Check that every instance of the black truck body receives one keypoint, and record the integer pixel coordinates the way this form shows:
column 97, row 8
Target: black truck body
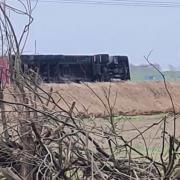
column 76, row 68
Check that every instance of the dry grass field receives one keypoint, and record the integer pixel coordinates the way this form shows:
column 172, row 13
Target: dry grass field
column 137, row 106
column 128, row 98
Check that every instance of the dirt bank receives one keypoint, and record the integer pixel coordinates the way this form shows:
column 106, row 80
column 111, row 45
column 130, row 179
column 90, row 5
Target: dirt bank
column 127, row 97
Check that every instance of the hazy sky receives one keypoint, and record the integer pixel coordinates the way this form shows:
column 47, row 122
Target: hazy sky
column 91, row 29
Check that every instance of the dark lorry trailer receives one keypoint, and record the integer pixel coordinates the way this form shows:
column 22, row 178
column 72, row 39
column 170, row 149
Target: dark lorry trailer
column 77, row 68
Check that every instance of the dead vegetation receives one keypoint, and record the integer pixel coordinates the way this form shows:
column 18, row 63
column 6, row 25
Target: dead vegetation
column 132, row 98
column 41, row 139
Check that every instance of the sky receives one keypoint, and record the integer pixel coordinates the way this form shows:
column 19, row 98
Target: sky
column 115, row 30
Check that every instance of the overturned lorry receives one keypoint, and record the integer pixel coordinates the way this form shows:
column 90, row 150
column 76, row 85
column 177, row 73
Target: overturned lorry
column 77, row 68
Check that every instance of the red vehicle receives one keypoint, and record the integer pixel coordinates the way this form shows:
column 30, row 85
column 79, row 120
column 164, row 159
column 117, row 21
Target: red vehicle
column 4, row 71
